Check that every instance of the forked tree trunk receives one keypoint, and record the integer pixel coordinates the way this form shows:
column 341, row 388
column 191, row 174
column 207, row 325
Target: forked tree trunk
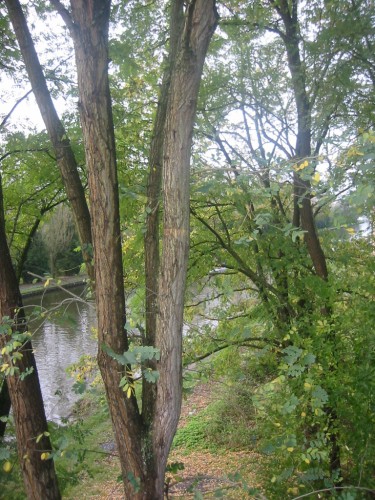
column 143, row 440
column 64, row 153
column 25, row 395
column 154, row 202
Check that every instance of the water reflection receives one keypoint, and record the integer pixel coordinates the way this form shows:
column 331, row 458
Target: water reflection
column 60, row 339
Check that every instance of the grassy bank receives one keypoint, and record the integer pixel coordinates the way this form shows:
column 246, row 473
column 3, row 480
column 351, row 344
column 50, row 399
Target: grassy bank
column 83, row 453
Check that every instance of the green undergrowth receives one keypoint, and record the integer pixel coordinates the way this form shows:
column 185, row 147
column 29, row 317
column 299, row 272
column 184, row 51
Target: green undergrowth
column 225, row 424
column 84, row 460
column 80, row 452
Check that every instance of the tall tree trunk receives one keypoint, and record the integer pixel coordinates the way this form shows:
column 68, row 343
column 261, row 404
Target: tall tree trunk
column 154, row 201
column 26, row 398
column 199, row 25
column 64, row 154
column 303, row 212
column 88, row 24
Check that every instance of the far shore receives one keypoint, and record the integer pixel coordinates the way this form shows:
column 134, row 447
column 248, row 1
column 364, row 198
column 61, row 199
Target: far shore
column 51, row 284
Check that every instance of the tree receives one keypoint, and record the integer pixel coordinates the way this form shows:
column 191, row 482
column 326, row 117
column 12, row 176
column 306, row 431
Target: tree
column 143, row 446
column 65, row 157
column 256, row 196
column 34, row 446
column 57, row 235
column 32, row 189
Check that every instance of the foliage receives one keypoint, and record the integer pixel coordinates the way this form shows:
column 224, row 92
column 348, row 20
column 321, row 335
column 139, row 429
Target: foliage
column 193, row 435
column 78, row 454
column 293, row 347
column 135, row 357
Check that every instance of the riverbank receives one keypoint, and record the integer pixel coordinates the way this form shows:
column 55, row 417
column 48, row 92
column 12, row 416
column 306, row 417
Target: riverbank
column 198, row 468
column 52, row 284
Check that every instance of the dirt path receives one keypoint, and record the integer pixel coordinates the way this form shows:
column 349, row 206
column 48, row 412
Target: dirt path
column 204, row 471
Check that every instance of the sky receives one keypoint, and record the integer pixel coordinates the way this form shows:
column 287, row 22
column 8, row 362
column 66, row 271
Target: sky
column 52, row 48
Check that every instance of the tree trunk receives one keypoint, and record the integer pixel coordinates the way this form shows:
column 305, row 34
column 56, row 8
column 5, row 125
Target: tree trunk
column 154, row 200
column 88, row 24
column 64, row 154
column 303, row 212
column 199, row 25
column 26, row 398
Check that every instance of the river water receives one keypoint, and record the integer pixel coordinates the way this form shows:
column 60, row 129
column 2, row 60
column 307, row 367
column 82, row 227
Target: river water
column 59, row 339
column 65, row 334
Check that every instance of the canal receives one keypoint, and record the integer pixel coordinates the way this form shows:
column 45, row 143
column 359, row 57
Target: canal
column 62, row 332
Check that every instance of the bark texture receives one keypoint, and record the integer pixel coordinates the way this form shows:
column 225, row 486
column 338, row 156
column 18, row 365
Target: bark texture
column 64, row 154
column 25, row 395
column 88, row 24
column 199, row 25
column 154, row 202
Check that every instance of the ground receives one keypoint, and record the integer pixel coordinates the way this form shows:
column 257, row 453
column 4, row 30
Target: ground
column 204, row 471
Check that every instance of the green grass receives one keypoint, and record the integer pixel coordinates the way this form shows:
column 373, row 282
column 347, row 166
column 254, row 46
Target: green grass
column 193, row 436
column 81, row 462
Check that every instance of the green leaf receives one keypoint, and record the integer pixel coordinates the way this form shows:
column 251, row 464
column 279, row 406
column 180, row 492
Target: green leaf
column 151, row 376
column 308, row 359
column 290, row 405
column 292, row 354
column 319, row 397
column 79, row 387
column 174, row 467
column 296, row 370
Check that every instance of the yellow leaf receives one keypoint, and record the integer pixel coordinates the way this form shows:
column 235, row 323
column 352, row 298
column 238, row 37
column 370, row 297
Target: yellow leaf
column 45, row 456
column 316, row 177
column 290, row 449
column 307, row 460
column 303, row 414
column 307, row 386
column 4, row 367
column 47, row 282
column 129, row 392
column 301, row 166
column 277, row 424
column 7, row 467
column 293, row 491
column 3, row 350
column 273, row 480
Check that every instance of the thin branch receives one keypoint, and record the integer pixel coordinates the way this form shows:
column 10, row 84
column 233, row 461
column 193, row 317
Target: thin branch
column 33, row 150
column 239, row 343
column 5, row 119
column 65, row 14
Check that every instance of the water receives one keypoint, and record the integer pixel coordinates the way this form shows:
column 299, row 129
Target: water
column 59, row 340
